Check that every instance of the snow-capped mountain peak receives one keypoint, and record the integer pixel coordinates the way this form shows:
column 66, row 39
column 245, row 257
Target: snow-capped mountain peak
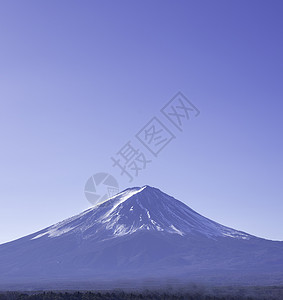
column 140, row 232
column 136, row 210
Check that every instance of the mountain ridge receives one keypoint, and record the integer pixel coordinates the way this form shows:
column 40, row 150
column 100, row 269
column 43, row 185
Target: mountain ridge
column 141, row 197
column 141, row 232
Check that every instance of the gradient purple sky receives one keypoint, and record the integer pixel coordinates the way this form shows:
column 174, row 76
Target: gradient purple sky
column 78, row 79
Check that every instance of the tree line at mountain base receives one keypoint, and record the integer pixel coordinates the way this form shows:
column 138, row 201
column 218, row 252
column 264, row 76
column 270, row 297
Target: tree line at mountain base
column 120, row 295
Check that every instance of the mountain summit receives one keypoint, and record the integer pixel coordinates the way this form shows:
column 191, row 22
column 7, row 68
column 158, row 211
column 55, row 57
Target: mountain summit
column 136, row 210
column 140, row 233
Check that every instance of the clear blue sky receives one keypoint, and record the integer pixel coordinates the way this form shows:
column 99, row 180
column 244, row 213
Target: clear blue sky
column 78, row 79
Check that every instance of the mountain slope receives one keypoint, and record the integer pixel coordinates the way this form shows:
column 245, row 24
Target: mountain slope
column 140, row 233
column 139, row 209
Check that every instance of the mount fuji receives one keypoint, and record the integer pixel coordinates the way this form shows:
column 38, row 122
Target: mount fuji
column 139, row 234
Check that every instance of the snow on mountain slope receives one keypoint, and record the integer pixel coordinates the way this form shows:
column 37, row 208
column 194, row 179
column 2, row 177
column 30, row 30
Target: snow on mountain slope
column 140, row 232
column 138, row 209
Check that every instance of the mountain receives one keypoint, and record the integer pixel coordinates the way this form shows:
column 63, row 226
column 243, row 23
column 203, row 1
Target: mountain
column 139, row 234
